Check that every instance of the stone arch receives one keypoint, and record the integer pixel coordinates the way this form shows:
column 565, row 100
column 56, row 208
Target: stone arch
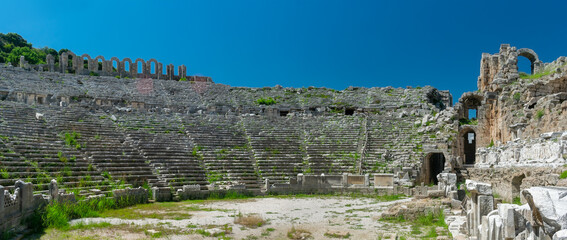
column 129, row 61
column 467, row 145
column 99, row 67
column 67, row 65
column 143, row 70
column 149, row 66
column 118, row 65
column 433, row 164
column 89, row 62
column 470, row 101
column 530, row 55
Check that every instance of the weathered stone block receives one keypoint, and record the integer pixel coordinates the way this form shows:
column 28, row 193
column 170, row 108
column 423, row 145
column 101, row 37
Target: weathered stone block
column 356, row 179
column 161, row 194
column 478, row 187
column 383, row 180
column 485, row 205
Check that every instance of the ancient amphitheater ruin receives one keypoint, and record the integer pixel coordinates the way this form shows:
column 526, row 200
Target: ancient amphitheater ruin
column 72, row 130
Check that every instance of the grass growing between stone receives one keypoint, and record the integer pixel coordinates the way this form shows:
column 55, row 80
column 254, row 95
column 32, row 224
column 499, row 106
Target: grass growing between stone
column 425, row 226
column 58, row 214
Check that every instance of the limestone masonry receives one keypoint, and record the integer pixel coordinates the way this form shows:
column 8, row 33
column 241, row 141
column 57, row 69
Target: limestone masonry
column 92, row 124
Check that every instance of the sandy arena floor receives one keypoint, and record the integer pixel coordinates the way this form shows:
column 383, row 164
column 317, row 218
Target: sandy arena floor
column 321, row 217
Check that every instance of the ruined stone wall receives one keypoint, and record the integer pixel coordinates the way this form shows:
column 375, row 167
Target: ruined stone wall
column 69, row 62
column 518, row 106
column 18, row 205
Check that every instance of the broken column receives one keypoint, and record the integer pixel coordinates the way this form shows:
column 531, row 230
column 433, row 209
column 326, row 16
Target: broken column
column 482, row 203
column 447, row 183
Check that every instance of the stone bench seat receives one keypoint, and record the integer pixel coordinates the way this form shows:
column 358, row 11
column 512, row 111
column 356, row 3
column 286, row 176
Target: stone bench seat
column 157, row 154
column 116, row 172
column 132, row 178
column 175, row 165
column 130, row 168
column 166, row 171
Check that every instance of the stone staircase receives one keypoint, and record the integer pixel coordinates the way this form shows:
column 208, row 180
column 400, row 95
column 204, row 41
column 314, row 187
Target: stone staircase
column 277, row 145
column 223, row 146
column 37, row 152
column 168, row 149
column 331, row 144
column 390, row 142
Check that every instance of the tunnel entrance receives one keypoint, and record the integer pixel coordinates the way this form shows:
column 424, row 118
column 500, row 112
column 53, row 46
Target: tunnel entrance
column 469, row 142
column 436, row 164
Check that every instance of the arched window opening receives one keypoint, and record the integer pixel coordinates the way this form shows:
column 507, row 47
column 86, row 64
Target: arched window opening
column 140, row 67
column 524, row 66
column 114, row 66
column 153, row 69
column 85, row 63
column 99, row 64
column 472, row 114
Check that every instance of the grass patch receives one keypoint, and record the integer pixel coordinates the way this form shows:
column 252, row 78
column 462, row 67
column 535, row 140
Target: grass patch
column 266, row 101
column 524, row 75
column 162, row 210
column 250, row 221
column 563, row 175
column 70, row 139
column 337, row 235
column 388, row 198
column 539, row 114
column 464, row 121
column 85, row 226
column 432, row 233
column 298, row 233
column 58, row 214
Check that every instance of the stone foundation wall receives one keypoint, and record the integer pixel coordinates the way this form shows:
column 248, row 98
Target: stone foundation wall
column 507, row 183
column 18, row 205
column 550, row 150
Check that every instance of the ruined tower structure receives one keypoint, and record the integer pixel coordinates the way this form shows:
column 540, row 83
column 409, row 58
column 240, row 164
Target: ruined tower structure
column 510, row 131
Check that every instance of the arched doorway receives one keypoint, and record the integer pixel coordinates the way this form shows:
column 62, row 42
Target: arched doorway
column 435, row 163
column 530, row 55
column 469, row 146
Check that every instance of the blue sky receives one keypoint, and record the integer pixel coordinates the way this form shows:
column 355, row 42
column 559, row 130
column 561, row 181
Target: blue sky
column 298, row 43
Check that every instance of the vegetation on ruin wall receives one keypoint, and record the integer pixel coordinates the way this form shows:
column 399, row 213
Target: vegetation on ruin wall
column 266, row 101
column 464, row 121
column 12, row 46
column 524, row 75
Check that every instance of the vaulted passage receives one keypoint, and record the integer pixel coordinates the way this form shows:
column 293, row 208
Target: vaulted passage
column 469, row 143
column 435, row 165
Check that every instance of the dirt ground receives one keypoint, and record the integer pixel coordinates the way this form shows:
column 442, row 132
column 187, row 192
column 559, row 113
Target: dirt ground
column 255, row 218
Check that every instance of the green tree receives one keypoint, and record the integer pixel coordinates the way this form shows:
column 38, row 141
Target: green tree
column 51, row 51
column 33, row 56
column 14, row 39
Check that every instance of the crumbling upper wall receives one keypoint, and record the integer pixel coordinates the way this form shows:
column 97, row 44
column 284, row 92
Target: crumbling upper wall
column 516, row 105
column 502, row 67
column 70, row 62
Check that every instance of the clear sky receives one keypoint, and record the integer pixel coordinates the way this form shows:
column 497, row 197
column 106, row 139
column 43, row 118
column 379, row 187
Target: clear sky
column 296, row 43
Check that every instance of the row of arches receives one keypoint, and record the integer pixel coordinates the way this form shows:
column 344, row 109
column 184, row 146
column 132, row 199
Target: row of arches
column 83, row 64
